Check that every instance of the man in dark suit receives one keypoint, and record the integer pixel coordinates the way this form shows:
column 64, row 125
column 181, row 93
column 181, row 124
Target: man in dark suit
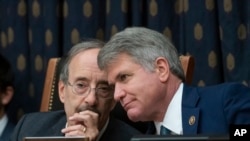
column 88, row 100
column 144, row 67
column 6, row 94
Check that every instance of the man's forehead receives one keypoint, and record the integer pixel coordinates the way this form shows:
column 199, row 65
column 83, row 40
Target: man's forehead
column 88, row 73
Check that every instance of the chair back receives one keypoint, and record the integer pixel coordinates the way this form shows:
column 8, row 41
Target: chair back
column 50, row 98
column 187, row 63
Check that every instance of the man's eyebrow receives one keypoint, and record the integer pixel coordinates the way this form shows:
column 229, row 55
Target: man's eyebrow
column 118, row 76
column 103, row 82
column 82, row 78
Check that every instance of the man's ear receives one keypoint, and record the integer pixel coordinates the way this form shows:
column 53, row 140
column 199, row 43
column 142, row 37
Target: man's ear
column 61, row 91
column 162, row 68
column 7, row 95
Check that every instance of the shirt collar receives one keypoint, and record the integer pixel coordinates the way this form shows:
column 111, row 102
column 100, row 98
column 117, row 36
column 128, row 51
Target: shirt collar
column 173, row 117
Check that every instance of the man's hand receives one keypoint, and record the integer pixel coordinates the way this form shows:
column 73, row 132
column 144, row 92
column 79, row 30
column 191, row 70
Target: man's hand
column 84, row 123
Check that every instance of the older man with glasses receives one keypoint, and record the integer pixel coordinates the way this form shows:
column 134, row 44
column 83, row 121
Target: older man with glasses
column 88, row 100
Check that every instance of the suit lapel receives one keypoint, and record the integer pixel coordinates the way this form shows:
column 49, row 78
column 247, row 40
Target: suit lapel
column 56, row 128
column 190, row 111
column 151, row 128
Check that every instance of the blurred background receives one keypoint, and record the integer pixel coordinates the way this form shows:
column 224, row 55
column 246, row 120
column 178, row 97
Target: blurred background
column 214, row 32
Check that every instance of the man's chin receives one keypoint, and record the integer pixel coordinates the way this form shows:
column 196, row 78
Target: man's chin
column 133, row 115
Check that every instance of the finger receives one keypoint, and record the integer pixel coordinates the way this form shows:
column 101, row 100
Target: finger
column 74, row 133
column 84, row 129
column 90, row 120
column 84, row 117
column 76, row 129
column 89, row 112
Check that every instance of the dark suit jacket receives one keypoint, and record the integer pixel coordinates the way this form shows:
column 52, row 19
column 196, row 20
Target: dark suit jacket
column 7, row 131
column 51, row 123
column 212, row 109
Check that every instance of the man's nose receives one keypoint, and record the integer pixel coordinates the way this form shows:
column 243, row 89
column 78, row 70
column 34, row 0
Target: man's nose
column 118, row 92
column 91, row 97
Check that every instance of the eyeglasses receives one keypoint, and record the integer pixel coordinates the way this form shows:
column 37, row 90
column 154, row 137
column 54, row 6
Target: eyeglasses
column 83, row 89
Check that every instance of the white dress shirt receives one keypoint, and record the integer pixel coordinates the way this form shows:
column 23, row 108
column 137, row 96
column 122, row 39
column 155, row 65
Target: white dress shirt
column 173, row 117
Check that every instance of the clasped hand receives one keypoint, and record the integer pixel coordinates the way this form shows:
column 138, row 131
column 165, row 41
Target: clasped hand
column 84, row 123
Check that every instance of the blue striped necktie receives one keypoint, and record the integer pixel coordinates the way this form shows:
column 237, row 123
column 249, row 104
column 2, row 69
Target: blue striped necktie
column 164, row 131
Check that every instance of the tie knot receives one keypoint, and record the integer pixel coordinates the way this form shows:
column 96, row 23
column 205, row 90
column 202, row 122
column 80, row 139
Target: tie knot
column 164, row 131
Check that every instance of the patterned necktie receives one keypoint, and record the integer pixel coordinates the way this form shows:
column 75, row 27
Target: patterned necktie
column 164, row 131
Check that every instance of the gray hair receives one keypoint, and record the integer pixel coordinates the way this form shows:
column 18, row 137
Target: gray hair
column 76, row 49
column 144, row 46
